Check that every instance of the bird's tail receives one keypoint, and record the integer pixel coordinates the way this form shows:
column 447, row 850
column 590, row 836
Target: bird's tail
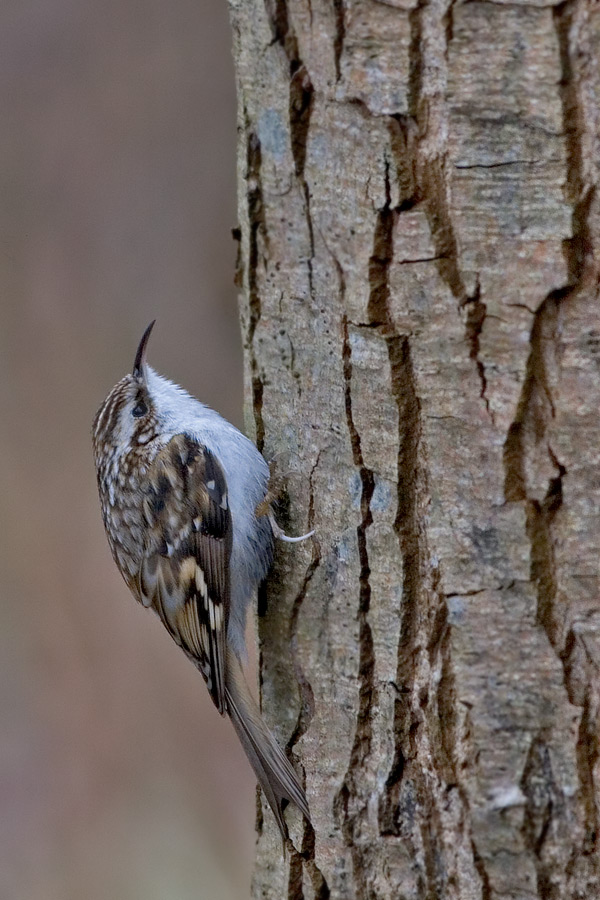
column 271, row 766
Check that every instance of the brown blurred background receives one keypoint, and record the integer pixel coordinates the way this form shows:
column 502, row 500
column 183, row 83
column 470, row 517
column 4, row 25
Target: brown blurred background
column 117, row 181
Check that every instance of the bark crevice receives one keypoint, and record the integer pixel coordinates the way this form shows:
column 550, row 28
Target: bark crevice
column 350, row 818
column 257, row 232
column 475, row 311
column 543, row 801
column 431, row 175
column 578, row 247
column 307, row 700
column 339, row 36
column 300, row 106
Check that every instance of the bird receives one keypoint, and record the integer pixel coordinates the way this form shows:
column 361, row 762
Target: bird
column 185, row 505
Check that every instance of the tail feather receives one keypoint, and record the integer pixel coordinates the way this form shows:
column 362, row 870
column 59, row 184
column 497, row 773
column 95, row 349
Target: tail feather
column 272, row 768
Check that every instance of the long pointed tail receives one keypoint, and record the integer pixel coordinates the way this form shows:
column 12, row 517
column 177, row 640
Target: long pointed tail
column 271, row 766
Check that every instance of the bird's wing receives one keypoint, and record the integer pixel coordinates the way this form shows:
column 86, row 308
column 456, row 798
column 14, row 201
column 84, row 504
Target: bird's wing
column 184, row 574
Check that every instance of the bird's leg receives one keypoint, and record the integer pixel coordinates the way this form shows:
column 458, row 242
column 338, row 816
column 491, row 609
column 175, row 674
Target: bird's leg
column 275, row 489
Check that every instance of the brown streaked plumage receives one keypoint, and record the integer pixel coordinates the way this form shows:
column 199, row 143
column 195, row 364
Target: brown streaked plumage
column 179, row 489
column 184, row 572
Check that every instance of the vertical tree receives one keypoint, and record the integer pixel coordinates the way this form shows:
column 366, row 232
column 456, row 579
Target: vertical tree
column 419, row 230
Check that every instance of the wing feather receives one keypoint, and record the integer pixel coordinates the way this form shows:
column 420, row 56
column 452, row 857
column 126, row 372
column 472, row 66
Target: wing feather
column 184, row 573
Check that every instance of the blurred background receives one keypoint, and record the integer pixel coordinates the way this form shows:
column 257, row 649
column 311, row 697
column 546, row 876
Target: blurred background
column 117, row 179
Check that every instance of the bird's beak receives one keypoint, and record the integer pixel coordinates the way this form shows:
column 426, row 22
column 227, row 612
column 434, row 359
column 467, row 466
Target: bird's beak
column 139, row 366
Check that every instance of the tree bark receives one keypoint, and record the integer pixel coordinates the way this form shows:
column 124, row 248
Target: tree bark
column 419, row 298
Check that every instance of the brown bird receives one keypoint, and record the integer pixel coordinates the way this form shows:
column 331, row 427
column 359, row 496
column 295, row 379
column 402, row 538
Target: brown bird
column 179, row 489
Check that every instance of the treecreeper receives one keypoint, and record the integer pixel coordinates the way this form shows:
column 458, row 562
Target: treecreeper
column 183, row 494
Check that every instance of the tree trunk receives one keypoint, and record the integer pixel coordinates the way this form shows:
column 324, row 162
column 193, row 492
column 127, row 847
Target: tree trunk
column 419, row 296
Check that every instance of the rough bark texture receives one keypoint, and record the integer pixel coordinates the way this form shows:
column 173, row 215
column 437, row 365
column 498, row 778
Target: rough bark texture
column 419, row 294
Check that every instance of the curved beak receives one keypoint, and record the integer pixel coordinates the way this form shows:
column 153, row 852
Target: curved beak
column 139, row 366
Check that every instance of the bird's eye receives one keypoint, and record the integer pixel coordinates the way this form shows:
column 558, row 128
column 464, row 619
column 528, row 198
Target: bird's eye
column 139, row 410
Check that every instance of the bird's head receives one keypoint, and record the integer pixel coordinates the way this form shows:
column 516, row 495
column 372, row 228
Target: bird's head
column 141, row 407
column 130, row 416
